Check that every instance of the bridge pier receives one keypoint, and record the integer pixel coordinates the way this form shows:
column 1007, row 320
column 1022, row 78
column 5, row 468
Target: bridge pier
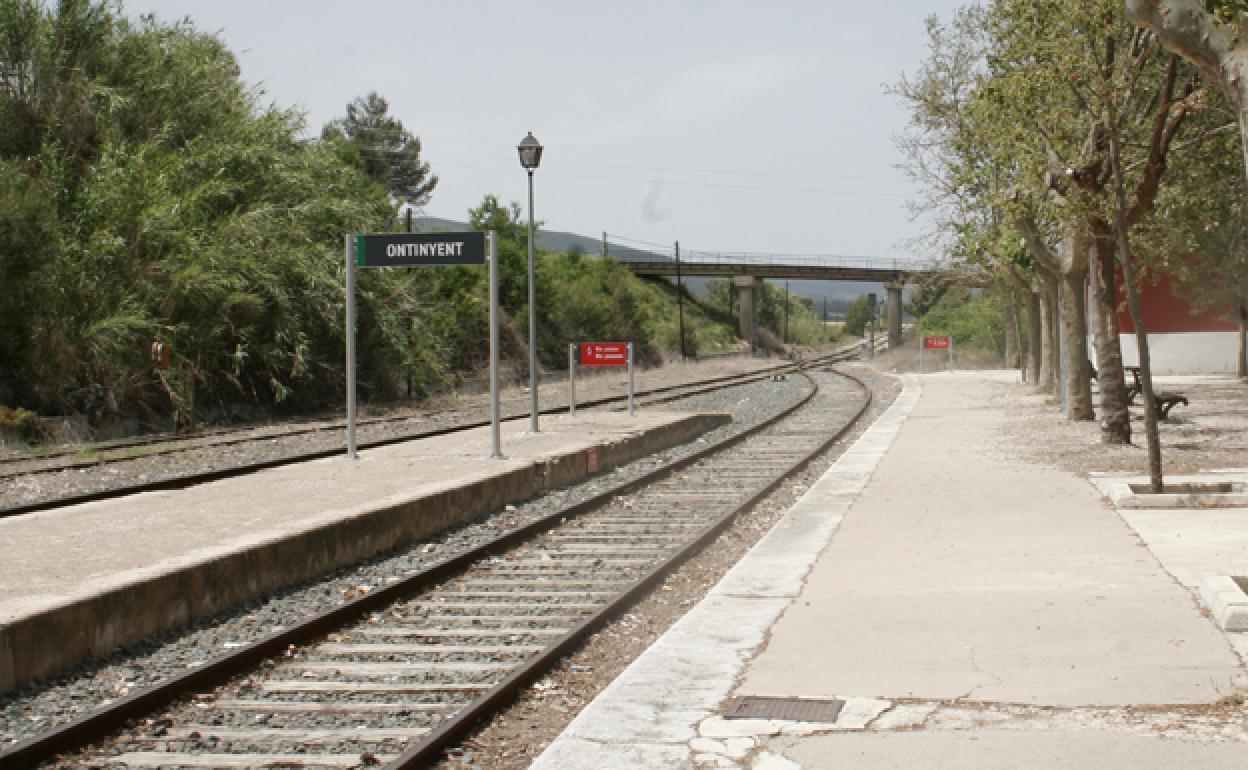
column 747, row 289
column 894, row 313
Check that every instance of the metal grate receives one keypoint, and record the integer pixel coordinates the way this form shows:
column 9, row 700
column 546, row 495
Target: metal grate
column 790, row 709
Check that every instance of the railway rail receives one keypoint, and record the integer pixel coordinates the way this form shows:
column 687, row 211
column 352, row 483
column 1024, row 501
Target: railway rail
column 395, row 676
column 646, row 397
column 93, row 454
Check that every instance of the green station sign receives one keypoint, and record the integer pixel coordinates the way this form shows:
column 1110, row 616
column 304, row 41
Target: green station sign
column 419, row 249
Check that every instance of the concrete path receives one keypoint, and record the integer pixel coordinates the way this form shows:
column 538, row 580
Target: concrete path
column 963, row 588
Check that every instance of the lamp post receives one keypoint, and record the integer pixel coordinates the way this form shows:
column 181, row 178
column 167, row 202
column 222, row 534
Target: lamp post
column 530, row 157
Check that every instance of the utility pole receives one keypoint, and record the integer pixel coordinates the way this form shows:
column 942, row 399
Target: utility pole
column 786, row 312
column 680, row 302
column 604, row 244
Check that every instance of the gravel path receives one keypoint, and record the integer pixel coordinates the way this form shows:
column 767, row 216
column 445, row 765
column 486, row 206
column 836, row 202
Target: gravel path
column 42, row 705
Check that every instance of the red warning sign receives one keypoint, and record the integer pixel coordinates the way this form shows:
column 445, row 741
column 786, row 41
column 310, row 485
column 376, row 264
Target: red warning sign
column 933, row 343
column 604, row 354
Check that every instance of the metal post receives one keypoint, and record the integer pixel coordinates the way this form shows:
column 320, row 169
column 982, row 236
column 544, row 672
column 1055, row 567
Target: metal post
column 604, row 244
column 409, row 229
column 350, row 334
column 532, row 318
column 491, row 247
column 922, row 344
column 951, row 352
column 572, row 378
column 632, row 412
column 786, row 313
column 680, row 303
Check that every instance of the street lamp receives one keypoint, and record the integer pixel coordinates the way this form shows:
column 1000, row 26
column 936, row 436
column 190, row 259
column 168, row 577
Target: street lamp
column 530, row 157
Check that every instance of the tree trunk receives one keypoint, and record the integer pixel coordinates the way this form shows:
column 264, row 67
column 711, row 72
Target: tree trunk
column 1035, row 337
column 1075, row 331
column 1047, row 382
column 1111, row 381
column 1242, row 366
column 1123, row 239
column 1013, row 357
column 1151, row 433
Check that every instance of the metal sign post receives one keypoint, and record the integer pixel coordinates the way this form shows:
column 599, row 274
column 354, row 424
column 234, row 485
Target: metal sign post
column 420, row 250
column 936, row 343
column 572, row 378
column 590, row 354
column 632, row 412
column 350, row 241
column 496, row 451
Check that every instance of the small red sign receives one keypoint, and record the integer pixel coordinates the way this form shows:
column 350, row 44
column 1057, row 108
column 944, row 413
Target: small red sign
column 935, row 342
column 604, row 354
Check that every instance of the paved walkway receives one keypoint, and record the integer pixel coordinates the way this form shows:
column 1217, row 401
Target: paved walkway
column 972, row 609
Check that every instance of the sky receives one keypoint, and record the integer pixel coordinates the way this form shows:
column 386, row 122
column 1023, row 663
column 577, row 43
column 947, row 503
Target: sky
column 729, row 126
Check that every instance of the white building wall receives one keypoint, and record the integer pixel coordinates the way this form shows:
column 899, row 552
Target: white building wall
column 1185, row 352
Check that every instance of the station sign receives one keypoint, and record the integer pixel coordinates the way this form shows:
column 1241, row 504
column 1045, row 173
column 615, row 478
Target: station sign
column 603, row 354
column 936, row 343
column 419, row 249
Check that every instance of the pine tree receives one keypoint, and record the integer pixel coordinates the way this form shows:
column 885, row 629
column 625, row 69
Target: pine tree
column 389, row 152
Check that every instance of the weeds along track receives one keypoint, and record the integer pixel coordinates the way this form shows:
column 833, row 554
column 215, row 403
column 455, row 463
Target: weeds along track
column 402, row 428
column 396, row 676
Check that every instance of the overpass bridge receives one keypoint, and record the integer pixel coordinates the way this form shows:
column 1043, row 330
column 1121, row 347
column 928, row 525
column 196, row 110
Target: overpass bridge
column 747, row 272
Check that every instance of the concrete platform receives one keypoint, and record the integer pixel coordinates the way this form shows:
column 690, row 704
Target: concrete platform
column 82, row 581
column 972, row 609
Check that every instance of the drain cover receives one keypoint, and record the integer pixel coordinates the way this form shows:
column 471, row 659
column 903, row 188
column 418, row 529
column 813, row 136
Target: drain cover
column 791, row 709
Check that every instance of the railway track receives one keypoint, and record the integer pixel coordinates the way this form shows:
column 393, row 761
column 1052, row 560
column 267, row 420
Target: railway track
column 395, row 676
column 178, row 481
column 89, row 455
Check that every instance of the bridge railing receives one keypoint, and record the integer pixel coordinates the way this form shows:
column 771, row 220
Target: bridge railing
column 787, row 260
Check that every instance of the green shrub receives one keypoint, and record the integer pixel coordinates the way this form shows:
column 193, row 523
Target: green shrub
column 975, row 321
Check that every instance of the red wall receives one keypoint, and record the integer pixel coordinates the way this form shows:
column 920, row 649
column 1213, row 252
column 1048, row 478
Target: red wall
column 1164, row 312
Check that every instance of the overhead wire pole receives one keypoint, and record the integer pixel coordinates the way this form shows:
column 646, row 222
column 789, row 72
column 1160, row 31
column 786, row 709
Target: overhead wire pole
column 680, row 303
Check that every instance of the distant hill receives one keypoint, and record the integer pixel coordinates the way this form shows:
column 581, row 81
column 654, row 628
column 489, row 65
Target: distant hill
column 838, row 294
column 549, row 240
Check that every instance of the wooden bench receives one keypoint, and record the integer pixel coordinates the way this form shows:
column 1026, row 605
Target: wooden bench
column 1162, row 402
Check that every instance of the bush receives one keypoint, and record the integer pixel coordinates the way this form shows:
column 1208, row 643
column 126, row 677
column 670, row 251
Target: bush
column 857, row 317
column 975, row 321
column 19, row 421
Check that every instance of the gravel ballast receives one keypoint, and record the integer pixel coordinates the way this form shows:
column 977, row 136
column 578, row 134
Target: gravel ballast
column 43, row 705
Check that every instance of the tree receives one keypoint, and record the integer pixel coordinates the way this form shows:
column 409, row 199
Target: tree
column 926, row 295
column 146, row 196
column 390, row 154
column 1064, row 133
column 857, row 317
column 1213, row 35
